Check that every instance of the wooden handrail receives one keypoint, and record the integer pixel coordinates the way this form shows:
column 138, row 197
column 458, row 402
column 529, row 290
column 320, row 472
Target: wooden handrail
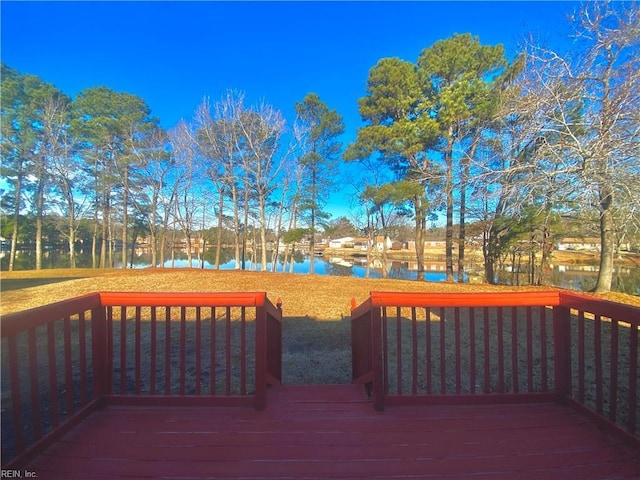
column 14, row 323
column 465, row 299
column 544, row 329
column 25, row 331
column 184, row 299
column 597, row 306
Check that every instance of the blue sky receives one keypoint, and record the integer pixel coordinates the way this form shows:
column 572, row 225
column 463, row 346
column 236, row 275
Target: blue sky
column 172, row 54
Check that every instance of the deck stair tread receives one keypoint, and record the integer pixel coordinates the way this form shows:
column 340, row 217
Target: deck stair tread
column 339, row 393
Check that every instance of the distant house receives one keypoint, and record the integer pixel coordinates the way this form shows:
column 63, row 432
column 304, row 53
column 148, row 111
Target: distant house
column 431, row 243
column 382, row 242
column 345, row 242
column 574, row 243
column 435, row 243
column 361, row 243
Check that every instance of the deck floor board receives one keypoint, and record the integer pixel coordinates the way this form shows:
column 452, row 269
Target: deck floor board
column 333, row 432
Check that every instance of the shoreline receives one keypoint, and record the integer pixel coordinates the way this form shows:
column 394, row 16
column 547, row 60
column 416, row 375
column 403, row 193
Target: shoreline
column 309, row 296
column 558, row 257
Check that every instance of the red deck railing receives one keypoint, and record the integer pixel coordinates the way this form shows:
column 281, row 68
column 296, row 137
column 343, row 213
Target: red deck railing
column 500, row 347
column 62, row 361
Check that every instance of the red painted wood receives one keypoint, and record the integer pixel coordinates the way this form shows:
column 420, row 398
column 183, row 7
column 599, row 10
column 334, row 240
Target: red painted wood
column 212, row 346
column 379, row 380
column 597, row 339
column 581, row 353
column 487, row 351
column 493, row 299
column 68, row 365
column 53, row 374
column 633, row 378
column 16, row 394
column 34, row 384
column 613, row 378
column 307, row 433
column 179, row 299
column 514, row 349
column 52, row 437
column 227, row 347
column 543, row 348
column 243, row 352
column 529, row 321
column 414, row 352
column 13, row 323
column 183, row 349
column 458, row 366
column 399, row 350
column 123, row 350
column 428, row 350
column 198, row 349
column 108, row 364
column 154, row 352
column 274, row 343
column 472, row 351
column 443, row 362
column 167, row 351
column 99, row 352
column 82, row 353
column 500, row 327
column 138, row 352
column 562, row 350
column 260, row 402
column 579, row 301
column 385, row 350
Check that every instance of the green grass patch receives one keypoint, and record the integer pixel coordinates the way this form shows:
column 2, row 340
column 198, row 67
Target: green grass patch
column 18, row 283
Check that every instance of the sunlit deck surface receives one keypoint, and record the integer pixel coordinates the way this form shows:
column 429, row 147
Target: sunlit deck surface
column 333, row 432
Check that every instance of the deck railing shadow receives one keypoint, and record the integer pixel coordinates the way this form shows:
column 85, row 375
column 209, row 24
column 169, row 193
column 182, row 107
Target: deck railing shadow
column 63, row 361
column 500, row 347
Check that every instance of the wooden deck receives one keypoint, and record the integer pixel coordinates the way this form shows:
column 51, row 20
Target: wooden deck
column 334, row 432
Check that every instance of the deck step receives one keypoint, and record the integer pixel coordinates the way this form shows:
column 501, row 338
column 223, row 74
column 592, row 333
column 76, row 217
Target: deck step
column 317, row 394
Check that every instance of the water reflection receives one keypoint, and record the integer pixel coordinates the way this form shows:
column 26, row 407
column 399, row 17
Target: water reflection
column 575, row 277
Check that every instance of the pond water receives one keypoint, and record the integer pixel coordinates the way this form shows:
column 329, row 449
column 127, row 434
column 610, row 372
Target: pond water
column 575, row 277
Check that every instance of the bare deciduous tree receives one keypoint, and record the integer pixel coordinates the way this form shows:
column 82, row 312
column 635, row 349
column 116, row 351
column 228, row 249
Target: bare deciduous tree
column 589, row 104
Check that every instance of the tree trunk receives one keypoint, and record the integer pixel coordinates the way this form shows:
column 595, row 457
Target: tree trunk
column 219, row 232
column 385, row 271
column 463, row 212
column 245, row 227
column 607, row 242
column 449, row 214
column 236, row 225
column 39, row 215
column 276, row 248
column 72, row 238
column 263, row 232
column 94, row 238
column 420, row 225
column 103, row 244
column 312, row 243
column 464, row 180
column 16, row 221
column 125, row 215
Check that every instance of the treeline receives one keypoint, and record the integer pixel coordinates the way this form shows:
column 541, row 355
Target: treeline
column 103, row 156
column 516, row 146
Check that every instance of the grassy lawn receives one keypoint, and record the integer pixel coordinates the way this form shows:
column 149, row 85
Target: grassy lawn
column 35, row 278
column 313, row 296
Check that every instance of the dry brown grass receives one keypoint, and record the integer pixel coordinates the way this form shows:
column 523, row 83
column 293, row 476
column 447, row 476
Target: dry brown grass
column 314, row 296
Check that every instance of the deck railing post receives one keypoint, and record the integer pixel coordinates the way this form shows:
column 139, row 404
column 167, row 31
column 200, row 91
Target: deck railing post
column 261, row 357
column 377, row 358
column 562, row 349
column 100, row 354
